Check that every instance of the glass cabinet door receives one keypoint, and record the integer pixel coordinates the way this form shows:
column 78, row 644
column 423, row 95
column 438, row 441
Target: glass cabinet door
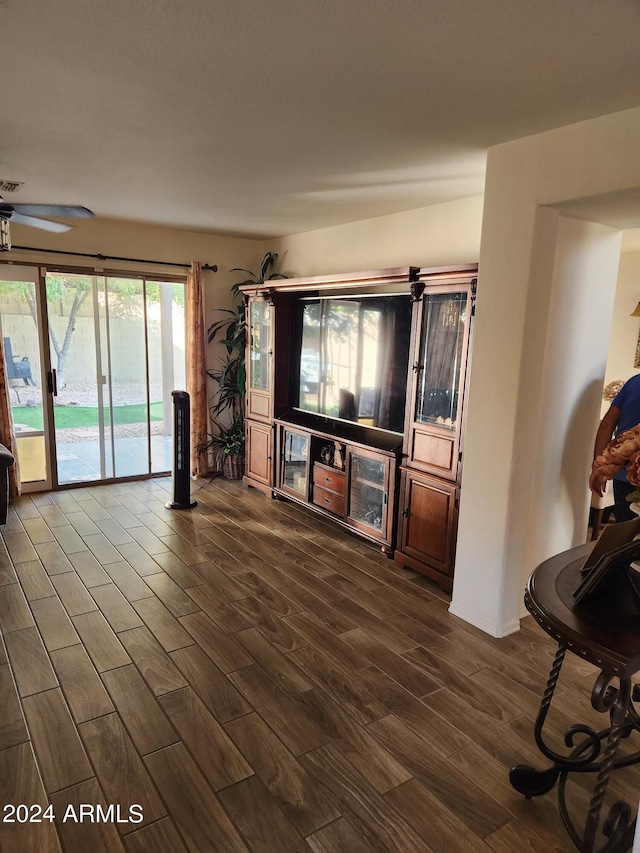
column 441, row 359
column 295, row 456
column 260, row 351
column 367, row 491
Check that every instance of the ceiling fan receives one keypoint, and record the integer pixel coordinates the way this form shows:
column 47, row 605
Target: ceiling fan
column 29, row 214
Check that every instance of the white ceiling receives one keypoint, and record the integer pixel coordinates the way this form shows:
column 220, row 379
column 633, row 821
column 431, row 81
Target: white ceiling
column 268, row 118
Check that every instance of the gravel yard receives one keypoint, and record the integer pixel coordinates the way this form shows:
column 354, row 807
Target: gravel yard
column 124, row 393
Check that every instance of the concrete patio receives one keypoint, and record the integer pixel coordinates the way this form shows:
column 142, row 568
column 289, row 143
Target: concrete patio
column 79, row 462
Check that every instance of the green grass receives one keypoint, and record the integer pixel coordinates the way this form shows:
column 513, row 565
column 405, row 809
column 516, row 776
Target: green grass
column 68, row 417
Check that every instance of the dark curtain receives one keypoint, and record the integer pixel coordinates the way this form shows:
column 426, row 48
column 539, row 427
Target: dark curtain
column 393, row 363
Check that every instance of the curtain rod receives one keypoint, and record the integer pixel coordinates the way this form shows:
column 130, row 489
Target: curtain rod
column 212, row 267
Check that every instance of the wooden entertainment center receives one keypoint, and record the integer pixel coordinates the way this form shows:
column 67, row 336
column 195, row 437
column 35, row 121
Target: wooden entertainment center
column 313, row 424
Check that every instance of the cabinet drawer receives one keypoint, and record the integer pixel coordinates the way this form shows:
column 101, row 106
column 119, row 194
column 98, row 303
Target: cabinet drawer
column 328, row 500
column 332, row 480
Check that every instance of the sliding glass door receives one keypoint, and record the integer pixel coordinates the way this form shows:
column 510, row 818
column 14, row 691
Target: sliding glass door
column 23, row 342
column 118, row 344
column 106, row 350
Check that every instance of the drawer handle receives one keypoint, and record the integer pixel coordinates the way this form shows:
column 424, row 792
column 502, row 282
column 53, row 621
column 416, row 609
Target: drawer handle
column 327, row 500
column 328, row 479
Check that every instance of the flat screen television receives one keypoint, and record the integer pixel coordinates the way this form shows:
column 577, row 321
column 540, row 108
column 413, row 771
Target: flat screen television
column 350, row 358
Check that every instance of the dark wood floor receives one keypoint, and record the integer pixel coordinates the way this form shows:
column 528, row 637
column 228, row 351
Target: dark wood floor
column 256, row 679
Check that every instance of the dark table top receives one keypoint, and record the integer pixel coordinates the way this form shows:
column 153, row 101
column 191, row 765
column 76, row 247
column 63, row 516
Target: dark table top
column 606, row 633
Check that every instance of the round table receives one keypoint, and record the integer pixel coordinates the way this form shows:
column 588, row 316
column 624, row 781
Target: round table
column 606, row 633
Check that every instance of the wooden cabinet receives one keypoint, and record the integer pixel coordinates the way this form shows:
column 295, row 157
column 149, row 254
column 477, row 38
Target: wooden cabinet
column 356, row 491
column 259, row 362
column 434, row 423
column 434, row 415
column 428, row 516
column 267, row 364
column 259, row 453
column 332, row 363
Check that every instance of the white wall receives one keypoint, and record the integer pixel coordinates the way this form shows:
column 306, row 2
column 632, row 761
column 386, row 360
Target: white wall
column 624, row 328
column 443, row 234
column 582, row 286
column 534, row 269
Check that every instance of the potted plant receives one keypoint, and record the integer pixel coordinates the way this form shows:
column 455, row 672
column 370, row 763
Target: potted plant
column 228, row 447
column 227, row 403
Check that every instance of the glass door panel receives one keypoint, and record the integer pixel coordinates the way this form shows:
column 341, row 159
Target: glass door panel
column 76, row 359
column 443, row 328
column 123, row 358
column 166, row 344
column 260, row 359
column 295, row 458
column 21, row 341
column 367, row 499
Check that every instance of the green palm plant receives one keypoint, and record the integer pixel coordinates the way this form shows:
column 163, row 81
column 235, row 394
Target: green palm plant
column 227, row 402
column 266, row 272
column 230, row 377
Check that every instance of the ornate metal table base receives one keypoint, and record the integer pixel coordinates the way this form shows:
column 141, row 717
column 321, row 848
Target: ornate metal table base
column 590, row 752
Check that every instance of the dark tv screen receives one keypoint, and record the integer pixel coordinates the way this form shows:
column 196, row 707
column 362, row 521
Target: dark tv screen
column 353, row 359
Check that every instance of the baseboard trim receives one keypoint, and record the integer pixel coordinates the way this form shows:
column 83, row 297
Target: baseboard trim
column 484, row 624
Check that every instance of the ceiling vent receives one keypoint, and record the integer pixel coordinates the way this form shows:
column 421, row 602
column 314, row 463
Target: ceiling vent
column 7, row 186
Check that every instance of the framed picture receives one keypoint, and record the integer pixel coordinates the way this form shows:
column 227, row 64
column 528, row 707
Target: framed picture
column 612, row 538
column 614, row 579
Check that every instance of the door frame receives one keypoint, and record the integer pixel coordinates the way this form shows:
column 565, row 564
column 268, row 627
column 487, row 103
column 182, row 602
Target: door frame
column 50, row 483
column 51, row 450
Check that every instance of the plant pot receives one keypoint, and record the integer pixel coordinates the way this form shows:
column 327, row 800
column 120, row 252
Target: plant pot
column 233, row 467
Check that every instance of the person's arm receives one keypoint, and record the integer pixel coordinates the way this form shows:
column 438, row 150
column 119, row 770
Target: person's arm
column 607, row 426
column 605, row 431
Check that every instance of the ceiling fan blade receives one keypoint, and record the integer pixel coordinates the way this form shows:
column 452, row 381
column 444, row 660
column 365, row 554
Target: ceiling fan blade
column 59, row 210
column 44, row 224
